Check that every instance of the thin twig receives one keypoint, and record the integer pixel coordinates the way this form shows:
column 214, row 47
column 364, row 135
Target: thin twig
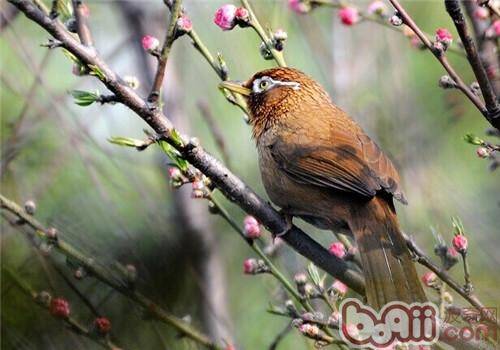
column 175, row 12
column 440, row 55
column 424, row 260
column 490, row 99
column 72, row 323
column 102, row 274
column 81, row 23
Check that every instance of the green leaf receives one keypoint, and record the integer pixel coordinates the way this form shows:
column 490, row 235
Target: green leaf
column 71, row 56
column 314, row 274
column 85, row 98
column 94, row 70
column 126, row 141
column 174, row 155
column 473, row 139
column 176, row 137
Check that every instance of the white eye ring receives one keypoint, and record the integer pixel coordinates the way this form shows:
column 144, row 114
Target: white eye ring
column 266, row 83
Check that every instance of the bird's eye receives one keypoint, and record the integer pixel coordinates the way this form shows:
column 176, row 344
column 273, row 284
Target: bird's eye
column 264, row 84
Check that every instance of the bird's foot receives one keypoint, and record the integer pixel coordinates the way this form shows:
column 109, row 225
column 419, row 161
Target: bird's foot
column 288, row 220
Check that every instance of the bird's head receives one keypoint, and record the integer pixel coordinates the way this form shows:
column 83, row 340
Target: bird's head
column 274, row 93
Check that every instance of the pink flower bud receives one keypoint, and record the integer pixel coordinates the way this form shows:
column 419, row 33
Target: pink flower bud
column 184, row 24
column 309, row 330
column 242, row 14
column 150, row 43
column 30, row 207
column 198, row 189
column 452, row 252
column 460, row 243
column 299, row 6
column 377, row 7
column 225, row 17
column 496, row 27
column 174, row 173
column 59, row 307
column 339, row 287
column 482, row 152
column 251, row 227
column 300, row 278
column 444, row 37
column 349, row 15
column 337, row 249
column 396, row 20
column 429, row 278
column 250, row 266
column 481, row 13
column 102, row 325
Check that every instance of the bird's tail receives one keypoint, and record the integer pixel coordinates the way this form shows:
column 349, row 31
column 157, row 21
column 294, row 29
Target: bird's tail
column 390, row 273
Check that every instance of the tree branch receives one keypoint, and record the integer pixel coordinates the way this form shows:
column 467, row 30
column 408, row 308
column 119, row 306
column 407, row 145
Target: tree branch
column 165, row 51
column 492, row 106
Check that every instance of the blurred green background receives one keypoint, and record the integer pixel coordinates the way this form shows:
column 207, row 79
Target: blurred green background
column 115, row 203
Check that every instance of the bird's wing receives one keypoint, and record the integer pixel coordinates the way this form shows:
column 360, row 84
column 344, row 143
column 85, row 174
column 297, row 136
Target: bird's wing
column 345, row 161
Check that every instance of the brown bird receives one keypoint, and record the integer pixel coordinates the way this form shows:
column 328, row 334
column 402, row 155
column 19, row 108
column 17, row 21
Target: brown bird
column 318, row 164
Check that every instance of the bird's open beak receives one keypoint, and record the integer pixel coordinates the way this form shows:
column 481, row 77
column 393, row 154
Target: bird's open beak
column 235, row 86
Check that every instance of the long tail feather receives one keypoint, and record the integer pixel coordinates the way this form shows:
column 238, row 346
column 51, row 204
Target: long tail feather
column 390, row 273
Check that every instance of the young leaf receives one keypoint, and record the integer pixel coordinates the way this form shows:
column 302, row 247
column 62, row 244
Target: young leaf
column 174, row 155
column 85, row 98
column 94, row 70
column 472, row 139
column 127, row 141
column 314, row 274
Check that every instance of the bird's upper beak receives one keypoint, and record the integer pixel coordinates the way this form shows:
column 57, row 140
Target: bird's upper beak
column 236, row 86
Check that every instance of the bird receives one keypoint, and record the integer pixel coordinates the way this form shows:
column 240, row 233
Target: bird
column 318, row 164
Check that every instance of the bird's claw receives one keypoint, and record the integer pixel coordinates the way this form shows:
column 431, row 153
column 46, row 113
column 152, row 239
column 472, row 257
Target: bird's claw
column 288, row 221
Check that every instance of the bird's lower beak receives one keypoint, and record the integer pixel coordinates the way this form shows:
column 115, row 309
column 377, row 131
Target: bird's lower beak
column 235, row 86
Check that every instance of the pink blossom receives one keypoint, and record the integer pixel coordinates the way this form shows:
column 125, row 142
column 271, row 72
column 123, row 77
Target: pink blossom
column 337, row 249
column 150, row 43
column 377, row 7
column 308, row 329
column 396, row 20
column 452, row 252
column 481, row 13
column 59, row 307
column 225, row 17
column 250, row 266
column 174, row 173
column 429, row 278
column 300, row 278
column 103, row 325
column 334, row 318
column 349, row 15
column 444, row 36
column 482, row 152
column 242, row 14
column 339, row 287
column 184, row 24
column 299, row 6
column 460, row 243
column 251, row 227
column 198, row 189
column 496, row 27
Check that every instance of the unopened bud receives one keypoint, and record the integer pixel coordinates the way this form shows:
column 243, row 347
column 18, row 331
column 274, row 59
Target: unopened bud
column 429, row 279
column 300, row 278
column 460, row 243
column 309, row 330
column 30, row 207
column 483, row 152
column 446, row 82
column 184, row 25
column 51, row 234
column 43, row 298
column 131, row 81
column 102, row 325
column 131, row 272
column 265, row 52
column 396, row 20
